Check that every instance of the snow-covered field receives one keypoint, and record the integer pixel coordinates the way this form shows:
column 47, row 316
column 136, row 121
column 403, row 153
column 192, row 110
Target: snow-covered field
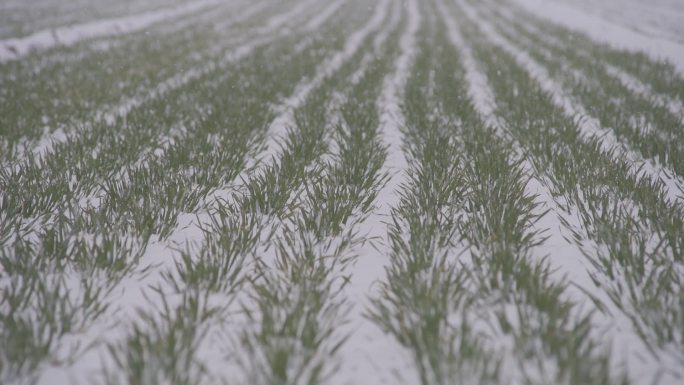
column 341, row 192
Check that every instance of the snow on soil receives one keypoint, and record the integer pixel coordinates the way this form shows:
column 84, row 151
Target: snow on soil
column 247, row 11
column 589, row 125
column 605, row 31
column 566, row 259
column 638, row 87
column 266, row 34
column 285, row 119
column 17, row 48
column 632, row 83
column 629, row 348
column 322, row 17
column 277, row 129
column 159, row 255
column 370, row 356
column 662, row 18
column 340, row 97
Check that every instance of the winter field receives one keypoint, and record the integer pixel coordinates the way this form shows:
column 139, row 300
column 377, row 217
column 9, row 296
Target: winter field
column 303, row 192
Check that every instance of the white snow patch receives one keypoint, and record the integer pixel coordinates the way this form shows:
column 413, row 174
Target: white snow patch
column 607, row 32
column 635, row 85
column 662, row 18
column 589, row 126
column 17, row 48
